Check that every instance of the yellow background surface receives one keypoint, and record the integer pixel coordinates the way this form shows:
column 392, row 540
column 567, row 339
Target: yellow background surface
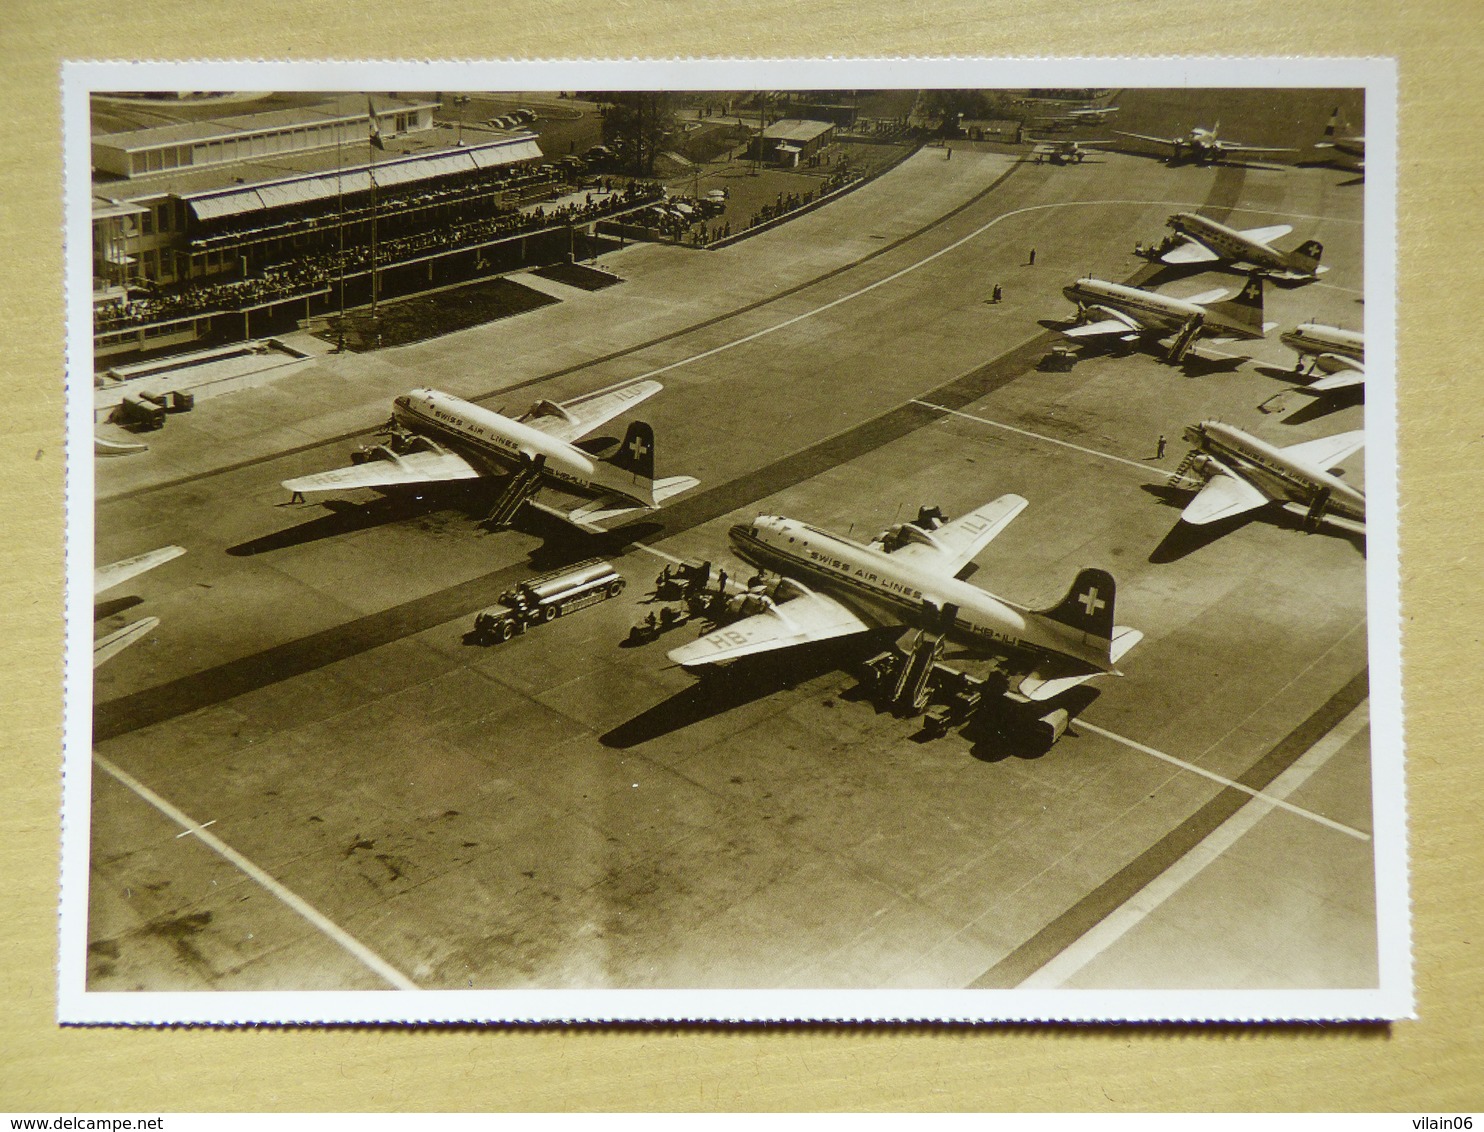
column 1431, row 1065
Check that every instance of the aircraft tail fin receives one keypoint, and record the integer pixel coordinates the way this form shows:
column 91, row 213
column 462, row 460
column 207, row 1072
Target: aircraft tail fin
column 1241, row 314
column 1087, row 608
column 1305, row 258
column 630, row 470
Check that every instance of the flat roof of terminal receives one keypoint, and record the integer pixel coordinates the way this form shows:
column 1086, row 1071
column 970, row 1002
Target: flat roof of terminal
column 796, row 130
column 178, row 133
column 275, row 167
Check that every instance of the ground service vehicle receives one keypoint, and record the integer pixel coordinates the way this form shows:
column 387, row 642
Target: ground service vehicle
column 547, row 597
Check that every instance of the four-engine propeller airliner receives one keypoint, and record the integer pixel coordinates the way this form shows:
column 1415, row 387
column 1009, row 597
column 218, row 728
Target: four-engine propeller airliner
column 1337, row 353
column 1203, row 146
column 1127, row 314
column 435, row 437
column 913, row 577
column 116, row 574
column 1234, row 473
column 1206, row 241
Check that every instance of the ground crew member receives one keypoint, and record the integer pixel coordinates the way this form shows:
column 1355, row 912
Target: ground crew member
column 997, row 294
column 297, row 497
column 1032, row 261
column 1159, row 448
column 949, row 156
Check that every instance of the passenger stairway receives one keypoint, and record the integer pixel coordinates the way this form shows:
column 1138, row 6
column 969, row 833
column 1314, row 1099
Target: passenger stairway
column 914, row 682
column 1179, row 477
column 1183, row 341
column 522, row 486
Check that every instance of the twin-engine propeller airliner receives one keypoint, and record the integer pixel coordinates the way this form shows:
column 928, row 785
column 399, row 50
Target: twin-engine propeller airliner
column 116, row 574
column 1203, row 146
column 1349, row 151
column 1236, row 473
column 1336, row 353
column 911, row 576
column 1128, row 314
column 1206, row 241
column 435, row 437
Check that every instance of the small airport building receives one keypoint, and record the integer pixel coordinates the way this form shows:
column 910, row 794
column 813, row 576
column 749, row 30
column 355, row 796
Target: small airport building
column 790, row 142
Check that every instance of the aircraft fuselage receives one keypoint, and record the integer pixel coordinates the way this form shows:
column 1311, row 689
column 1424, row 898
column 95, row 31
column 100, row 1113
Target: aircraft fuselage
column 1228, row 243
column 887, row 591
column 1151, row 311
column 487, row 437
column 1312, row 339
column 1277, row 475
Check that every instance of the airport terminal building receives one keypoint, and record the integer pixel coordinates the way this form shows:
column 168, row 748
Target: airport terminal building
column 229, row 227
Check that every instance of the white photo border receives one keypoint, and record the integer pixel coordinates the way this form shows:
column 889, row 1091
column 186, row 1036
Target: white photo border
column 1392, row 999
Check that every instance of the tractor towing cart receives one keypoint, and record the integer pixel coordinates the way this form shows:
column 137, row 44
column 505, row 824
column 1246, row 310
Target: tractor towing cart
column 547, row 597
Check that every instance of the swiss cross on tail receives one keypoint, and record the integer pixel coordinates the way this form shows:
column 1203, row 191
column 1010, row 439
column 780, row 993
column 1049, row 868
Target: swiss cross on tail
column 636, row 454
column 1088, row 606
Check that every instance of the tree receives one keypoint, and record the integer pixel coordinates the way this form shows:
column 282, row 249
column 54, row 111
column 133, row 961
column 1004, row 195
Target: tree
column 635, row 125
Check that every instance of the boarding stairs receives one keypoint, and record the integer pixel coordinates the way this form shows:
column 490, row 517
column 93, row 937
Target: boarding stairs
column 1184, row 340
column 914, row 682
column 522, row 486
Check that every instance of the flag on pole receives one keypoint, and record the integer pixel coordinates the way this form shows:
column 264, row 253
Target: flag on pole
column 376, row 139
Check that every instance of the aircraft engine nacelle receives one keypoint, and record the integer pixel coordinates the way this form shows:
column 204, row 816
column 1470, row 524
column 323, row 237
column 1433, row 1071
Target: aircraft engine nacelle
column 1203, row 465
column 1333, row 363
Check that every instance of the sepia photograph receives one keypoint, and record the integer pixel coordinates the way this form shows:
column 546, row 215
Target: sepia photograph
column 814, row 540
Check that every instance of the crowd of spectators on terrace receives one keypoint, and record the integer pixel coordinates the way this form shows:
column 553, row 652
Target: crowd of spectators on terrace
column 314, row 272
column 469, row 188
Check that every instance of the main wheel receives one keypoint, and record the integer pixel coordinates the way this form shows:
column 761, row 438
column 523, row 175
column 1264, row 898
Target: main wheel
column 507, row 630
column 615, row 587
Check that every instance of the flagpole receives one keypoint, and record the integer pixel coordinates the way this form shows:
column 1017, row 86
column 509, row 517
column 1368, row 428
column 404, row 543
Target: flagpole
column 340, row 225
column 371, row 139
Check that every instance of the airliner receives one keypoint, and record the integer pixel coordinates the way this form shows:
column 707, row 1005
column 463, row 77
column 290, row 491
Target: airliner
column 912, row 576
column 1203, row 146
column 435, row 437
column 1113, row 310
column 116, row 574
column 1350, row 149
column 1206, row 241
column 1235, row 473
column 1337, row 353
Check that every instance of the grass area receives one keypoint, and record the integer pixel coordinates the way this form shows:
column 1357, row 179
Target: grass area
column 575, row 275
column 429, row 316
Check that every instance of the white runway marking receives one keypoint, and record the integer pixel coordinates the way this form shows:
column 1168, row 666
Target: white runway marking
column 1149, row 473
column 1172, row 880
column 293, row 900
column 1233, row 784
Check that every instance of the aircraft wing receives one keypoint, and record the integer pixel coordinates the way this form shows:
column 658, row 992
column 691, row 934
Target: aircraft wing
column 1172, row 142
column 1224, row 496
column 570, row 420
column 106, row 648
column 117, row 573
column 809, row 617
column 1190, row 252
column 1327, row 451
column 1108, row 327
column 1347, row 377
column 1228, row 147
column 952, row 546
column 1269, row 234
column 414, row 467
